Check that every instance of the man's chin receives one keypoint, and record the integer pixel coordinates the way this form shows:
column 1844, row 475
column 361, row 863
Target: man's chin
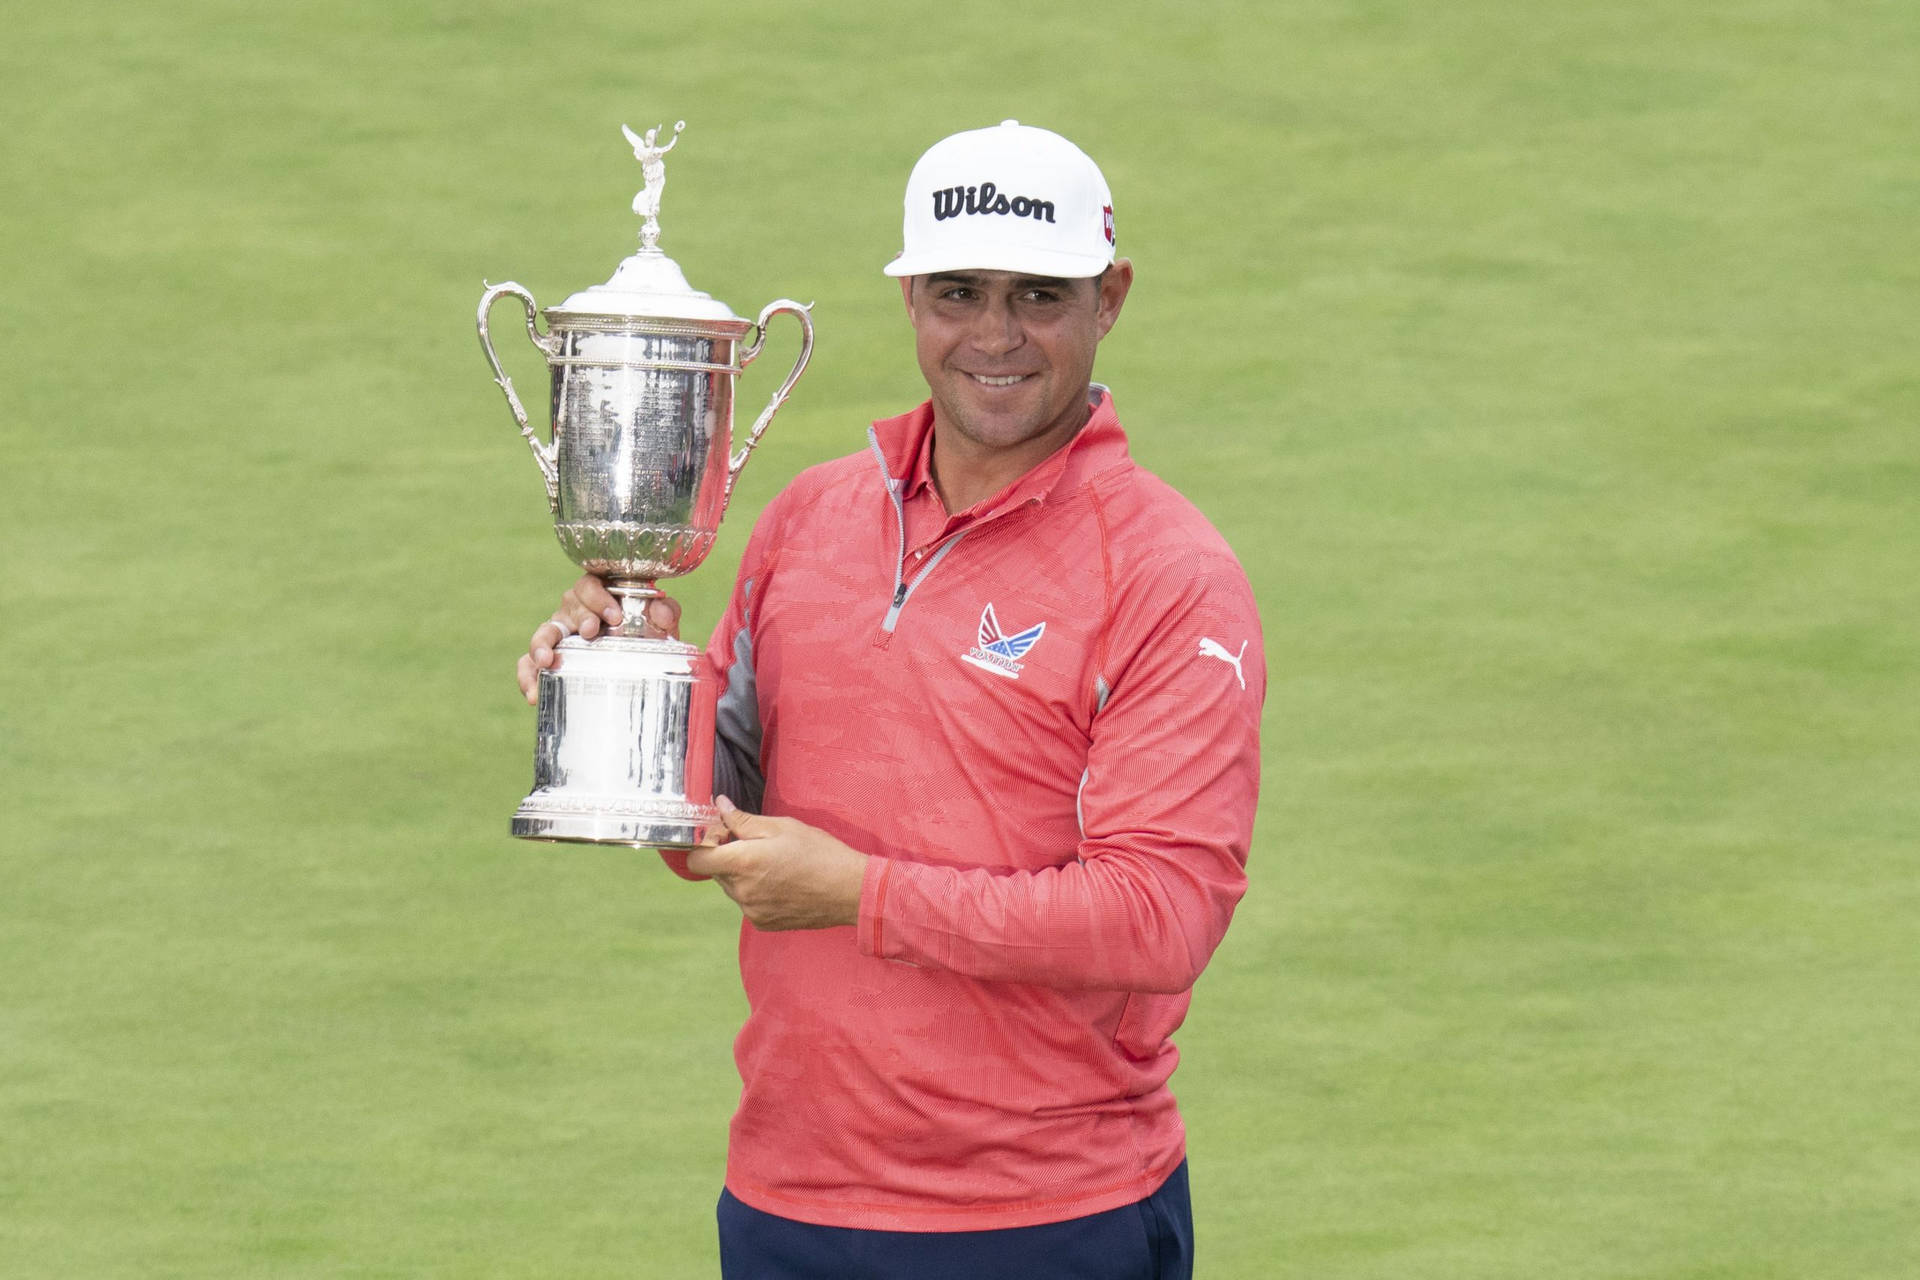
column 996, row 430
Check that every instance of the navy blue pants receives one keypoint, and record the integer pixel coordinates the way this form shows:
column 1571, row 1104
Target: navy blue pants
column 1148, row 1240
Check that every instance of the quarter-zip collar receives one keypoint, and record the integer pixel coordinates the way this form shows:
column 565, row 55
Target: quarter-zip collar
column 901, row 448
column 905, row 447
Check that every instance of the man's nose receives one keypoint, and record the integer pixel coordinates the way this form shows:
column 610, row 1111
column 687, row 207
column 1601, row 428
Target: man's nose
column 996, row 329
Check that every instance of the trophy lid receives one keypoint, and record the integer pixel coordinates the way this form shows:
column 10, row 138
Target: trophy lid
column 649, row 284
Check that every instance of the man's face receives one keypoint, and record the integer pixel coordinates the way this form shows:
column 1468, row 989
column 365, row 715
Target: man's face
column 1008, row 357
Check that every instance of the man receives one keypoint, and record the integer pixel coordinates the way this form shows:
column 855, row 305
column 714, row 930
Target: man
column 994, row 693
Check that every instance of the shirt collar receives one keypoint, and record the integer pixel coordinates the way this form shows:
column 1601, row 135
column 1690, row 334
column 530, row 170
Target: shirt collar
column 920, row 477
column 906, row 442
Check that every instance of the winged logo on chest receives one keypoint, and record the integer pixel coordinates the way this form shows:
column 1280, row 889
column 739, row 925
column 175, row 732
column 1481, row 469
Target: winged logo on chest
column 996, row 651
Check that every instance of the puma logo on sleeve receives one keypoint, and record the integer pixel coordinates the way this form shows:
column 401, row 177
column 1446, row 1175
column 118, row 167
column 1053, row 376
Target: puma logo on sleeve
column 1210, row 648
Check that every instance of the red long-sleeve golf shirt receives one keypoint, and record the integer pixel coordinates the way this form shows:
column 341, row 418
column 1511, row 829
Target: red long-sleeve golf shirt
column 1041, row 716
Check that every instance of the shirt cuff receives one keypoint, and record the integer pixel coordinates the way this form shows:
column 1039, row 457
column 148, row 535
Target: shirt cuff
column 869, row 932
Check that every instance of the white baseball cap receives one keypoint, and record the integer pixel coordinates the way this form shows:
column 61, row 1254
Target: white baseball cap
column 1009, row 198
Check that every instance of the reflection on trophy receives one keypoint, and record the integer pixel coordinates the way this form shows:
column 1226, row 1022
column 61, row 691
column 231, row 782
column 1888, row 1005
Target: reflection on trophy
column 638, row 473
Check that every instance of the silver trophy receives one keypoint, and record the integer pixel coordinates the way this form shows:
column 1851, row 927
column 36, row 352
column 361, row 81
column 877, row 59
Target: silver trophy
column 638, row 474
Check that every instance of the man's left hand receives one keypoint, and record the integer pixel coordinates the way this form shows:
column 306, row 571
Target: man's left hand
column 783, row 873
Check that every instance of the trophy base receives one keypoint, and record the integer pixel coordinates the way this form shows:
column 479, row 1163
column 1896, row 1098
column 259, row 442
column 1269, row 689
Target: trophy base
column 623, row 749
column 532, row 822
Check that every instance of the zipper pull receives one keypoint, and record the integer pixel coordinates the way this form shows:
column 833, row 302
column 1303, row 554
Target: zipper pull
column 900, row 595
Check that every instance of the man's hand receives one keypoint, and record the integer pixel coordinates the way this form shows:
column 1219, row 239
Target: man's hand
column 783, row 873
column 583, row 610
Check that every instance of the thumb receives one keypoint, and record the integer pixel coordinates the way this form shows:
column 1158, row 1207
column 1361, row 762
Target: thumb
column 737, row 820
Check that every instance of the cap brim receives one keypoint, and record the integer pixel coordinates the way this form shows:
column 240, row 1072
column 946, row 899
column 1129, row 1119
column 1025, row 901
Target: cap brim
column 1032, row 262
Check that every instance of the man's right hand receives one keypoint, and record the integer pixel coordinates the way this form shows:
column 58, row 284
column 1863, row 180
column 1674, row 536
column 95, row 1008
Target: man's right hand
column 585, row 610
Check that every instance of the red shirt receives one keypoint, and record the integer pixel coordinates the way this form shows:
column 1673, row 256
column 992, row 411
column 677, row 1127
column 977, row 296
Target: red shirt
column 1041, row 717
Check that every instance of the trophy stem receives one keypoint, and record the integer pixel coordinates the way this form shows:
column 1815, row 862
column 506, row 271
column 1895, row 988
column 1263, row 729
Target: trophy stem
column 633, row 595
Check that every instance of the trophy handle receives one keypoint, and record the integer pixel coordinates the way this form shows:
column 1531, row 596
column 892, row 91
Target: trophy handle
column 542, row 453
column 747, row 357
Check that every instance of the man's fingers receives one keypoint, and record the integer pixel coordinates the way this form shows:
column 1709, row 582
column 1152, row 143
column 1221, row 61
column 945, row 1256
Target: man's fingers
column 663, row 618
column 589, row 598
column 783, row 873
column 710, row 860
column 744, row 825
column 545, row 636
column 587, row 609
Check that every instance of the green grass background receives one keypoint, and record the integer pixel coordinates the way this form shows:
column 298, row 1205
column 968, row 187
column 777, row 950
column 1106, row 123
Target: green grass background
column 1551, row 366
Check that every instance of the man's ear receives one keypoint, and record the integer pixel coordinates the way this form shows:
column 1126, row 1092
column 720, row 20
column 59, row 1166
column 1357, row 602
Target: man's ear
column 906, row 296
column 1114, row 286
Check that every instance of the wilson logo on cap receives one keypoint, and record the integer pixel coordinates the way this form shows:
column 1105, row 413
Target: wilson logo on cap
column 951, row 202
column 1068, row 233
